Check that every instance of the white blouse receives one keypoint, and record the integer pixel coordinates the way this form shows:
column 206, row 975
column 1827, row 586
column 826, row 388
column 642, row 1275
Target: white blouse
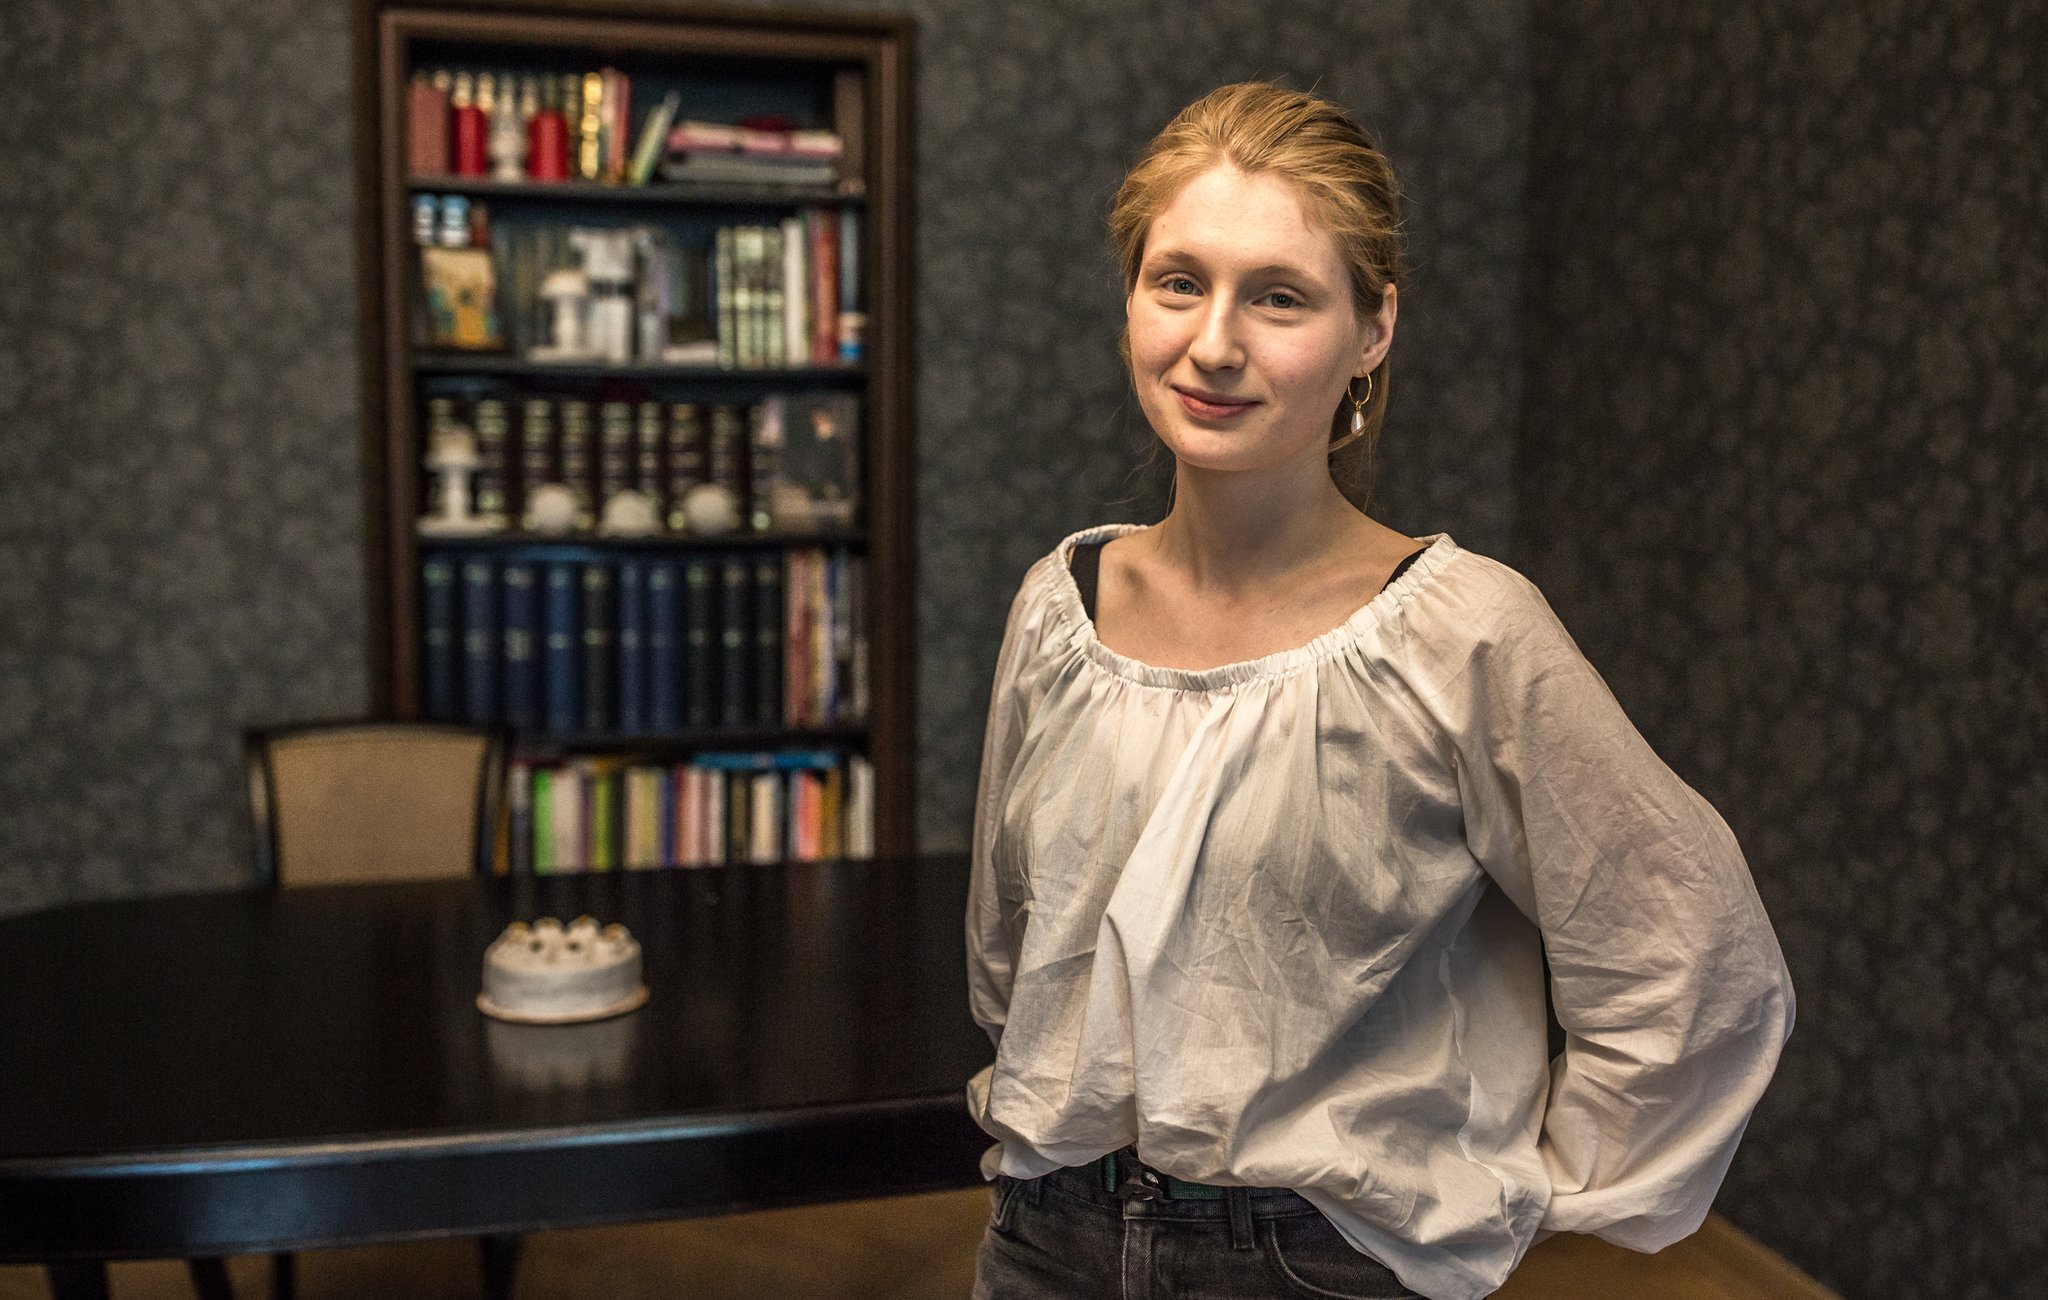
column 1283, row 923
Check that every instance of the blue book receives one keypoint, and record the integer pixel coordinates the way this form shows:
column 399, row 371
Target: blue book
column 521, row 664
column 480, row 639
column 437, row 608
column 735, row 641
column 768, row 620
column 599, row 690
column 561, row 665
column 664, row 657
column 699, row 697
column 632, row 598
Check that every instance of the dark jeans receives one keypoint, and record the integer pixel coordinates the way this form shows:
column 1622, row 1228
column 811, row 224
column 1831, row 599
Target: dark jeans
column 1066, row 1235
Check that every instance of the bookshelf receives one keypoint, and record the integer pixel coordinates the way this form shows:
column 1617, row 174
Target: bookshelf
column 637, row 397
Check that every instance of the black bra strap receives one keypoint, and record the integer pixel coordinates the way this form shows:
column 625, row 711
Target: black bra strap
column 1086, row 563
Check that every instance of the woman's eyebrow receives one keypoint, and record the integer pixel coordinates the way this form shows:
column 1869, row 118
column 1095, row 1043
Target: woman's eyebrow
column 1280, row 270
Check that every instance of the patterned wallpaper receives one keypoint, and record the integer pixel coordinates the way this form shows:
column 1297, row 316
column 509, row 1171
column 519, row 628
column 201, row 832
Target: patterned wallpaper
column 1782, row 474
column 178, row 387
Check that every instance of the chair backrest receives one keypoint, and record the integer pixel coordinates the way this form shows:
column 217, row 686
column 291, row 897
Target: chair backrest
column 344, row 801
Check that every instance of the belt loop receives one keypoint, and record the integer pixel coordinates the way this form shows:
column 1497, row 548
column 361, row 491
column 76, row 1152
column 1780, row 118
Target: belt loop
column 1240, row 1199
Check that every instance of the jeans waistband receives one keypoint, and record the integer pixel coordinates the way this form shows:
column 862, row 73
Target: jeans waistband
column 1122, row 1168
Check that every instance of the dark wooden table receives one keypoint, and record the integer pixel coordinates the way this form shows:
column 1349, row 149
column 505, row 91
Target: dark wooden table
column 219, row 1074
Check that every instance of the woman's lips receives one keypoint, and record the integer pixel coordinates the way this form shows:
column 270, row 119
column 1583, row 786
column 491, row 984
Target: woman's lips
column 1210, row 410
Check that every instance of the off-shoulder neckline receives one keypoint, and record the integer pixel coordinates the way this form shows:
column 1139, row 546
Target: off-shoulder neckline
column 1066, row 599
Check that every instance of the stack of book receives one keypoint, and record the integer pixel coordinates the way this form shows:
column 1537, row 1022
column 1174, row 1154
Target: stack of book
column 646, row 644
column 722, row 154
column 599, row 814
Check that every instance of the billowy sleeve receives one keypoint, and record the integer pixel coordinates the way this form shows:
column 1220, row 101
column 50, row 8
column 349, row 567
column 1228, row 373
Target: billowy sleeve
column 990, row 963
column 1665, row 974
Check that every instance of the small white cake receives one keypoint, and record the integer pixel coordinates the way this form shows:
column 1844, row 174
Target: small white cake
column 547, row 974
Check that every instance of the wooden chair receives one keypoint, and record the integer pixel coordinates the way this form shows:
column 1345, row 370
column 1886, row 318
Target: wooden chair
column 334, row 802
column 351, row 801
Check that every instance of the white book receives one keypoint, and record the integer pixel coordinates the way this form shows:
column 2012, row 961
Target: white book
column 713, row 843
column 796, row 292
column 764, row 817
column 565, row 818
column 860, row 807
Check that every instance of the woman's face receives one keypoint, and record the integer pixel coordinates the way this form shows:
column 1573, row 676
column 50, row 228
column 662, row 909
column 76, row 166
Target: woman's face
column 1242, row 329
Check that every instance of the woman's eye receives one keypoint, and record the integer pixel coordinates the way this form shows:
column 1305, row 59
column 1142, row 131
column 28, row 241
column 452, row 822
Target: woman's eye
column 1283, row 299
column 1179, row 284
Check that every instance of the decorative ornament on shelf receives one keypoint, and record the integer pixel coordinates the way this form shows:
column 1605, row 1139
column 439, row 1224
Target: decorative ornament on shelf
column 568, row 297
column 452, row 460
column 711, row 508
column 630, row 513
column 551, row 508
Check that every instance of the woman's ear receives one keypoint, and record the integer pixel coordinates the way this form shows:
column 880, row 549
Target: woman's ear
column 1379, row 332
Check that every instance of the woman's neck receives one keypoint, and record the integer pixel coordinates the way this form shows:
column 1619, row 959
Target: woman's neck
column 1235, row 534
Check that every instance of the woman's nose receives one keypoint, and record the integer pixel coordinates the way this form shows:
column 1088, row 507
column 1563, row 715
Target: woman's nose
column 1216, row 345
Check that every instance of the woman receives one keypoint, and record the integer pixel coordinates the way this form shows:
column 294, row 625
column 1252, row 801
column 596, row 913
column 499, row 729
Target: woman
column 1281, row 813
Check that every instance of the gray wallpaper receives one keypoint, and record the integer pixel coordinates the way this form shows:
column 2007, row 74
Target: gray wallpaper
column 1782, row 474
column 178, row 387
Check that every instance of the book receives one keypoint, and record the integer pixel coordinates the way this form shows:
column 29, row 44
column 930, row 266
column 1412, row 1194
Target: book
column 566, row 806
column 814, row 471
column 536, row 446
column 736, row 642
column 518, row 859
column 460, row 287
column 481, row 638
column 648, row 439
column 687, row 464
column 438, row 634
column 492, row 423
column 664, row 657
column 654, row 138
column 764, row 808
column 642, row 817
column 542, row 850
column 599, row 614
column 796, row 638
column 561, row 667
column 577, row 463
column 725, row 302
column 726, row 453
column 767, row 621
column 860, row 816
column 796, row 291
column 632, row 650
column 520, row 619
column 824, row 303
column 853, row 318
column 426, row 127
column 699, row 683
column 615, row 452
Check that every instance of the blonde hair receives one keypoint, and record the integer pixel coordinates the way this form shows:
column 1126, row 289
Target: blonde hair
column 1346, row 184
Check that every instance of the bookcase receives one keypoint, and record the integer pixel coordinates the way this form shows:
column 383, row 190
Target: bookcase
column 635, row 288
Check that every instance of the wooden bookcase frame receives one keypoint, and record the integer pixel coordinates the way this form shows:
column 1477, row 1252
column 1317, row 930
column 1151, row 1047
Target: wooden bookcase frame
column 882, row 46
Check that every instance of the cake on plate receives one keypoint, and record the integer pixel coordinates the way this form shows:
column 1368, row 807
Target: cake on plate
column 546, row 973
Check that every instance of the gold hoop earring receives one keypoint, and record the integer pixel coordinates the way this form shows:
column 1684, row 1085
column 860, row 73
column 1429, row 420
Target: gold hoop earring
column 1358, row 405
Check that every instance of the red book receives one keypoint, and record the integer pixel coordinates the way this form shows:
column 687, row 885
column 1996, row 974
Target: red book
column 426, row 128
column 547, row 146
column 824, row 232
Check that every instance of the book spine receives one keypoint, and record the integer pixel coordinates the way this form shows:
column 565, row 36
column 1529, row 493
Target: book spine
column 664, row 662
column 518, row 855
column 438, row 623
column 599, row 665
column 604, row 820
column 493, row 435
column 739, row 817
column 590, row 128
column 633, row 681
column 796, row 643
column 824, row 225
column 619, row 116
column 818, row 626
column 664, row 818
column 714, row 816
column 698, row 678
column 796, row 281
column 774, row 330
column 768, row 671
column 426, row 127
column 736, row 638
column 481, row 637
column 840, row 709
column 576, row 459
column 561, row 672
column 542, row 850
column 765, row 436
column 725, row 461
column 615, row 452
column 764, row 807
column 858, row 684
column 521, row 669
column 861, row 818
column 853, row 319
column 536, row 447
column 648, row 439
column 686, row 460
column 725, row 299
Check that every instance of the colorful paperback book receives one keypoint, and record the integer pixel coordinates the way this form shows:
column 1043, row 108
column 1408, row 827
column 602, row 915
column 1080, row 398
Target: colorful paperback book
column 543, row 800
